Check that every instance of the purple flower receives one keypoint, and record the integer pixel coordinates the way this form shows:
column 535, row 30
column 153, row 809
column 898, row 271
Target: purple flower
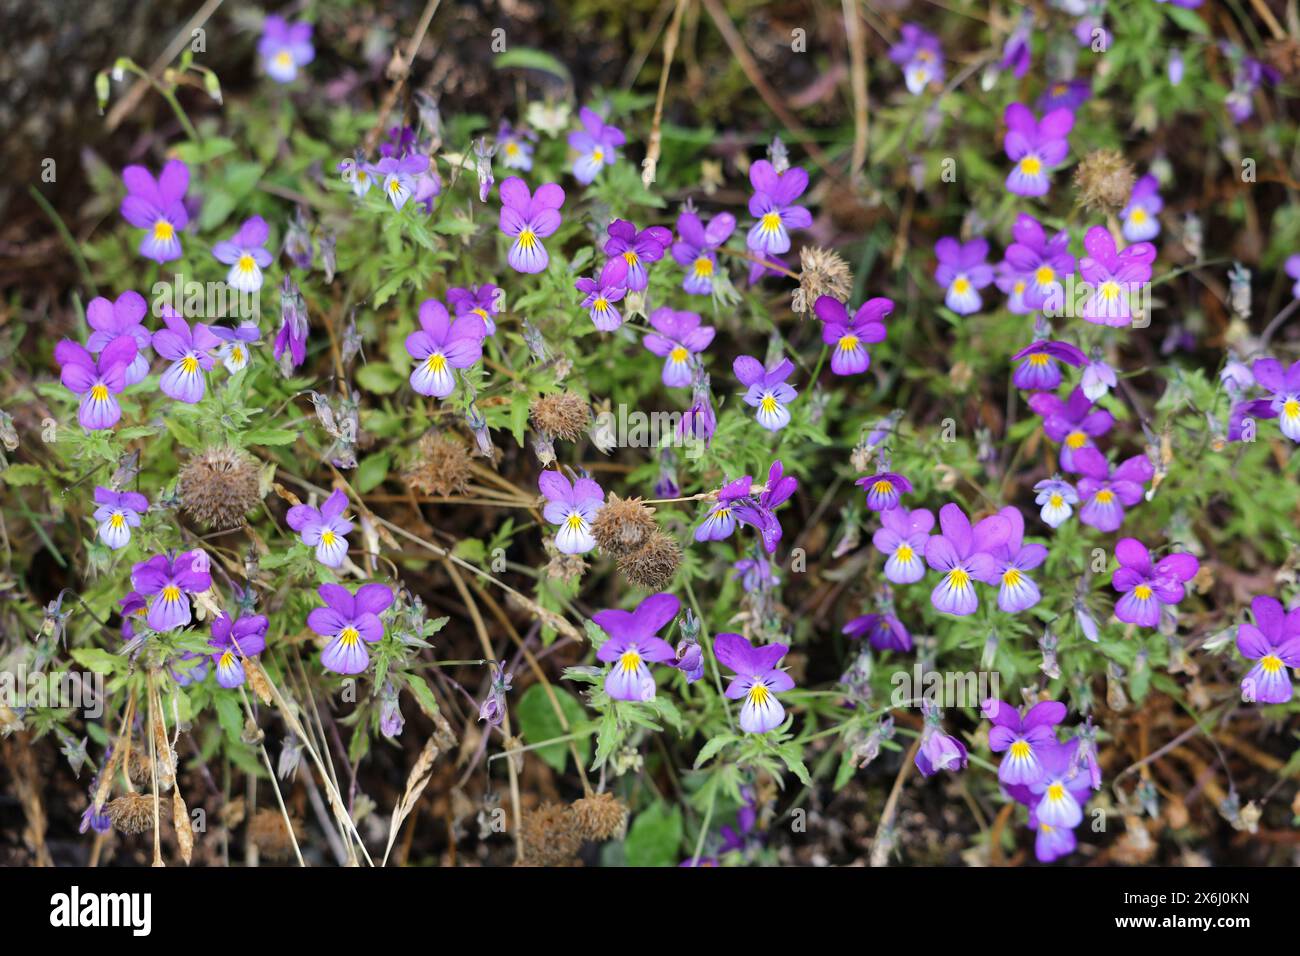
column 1017, row 53
column 113, row 320
column 1051, row 843
column 1140, row 216
column 399, row 176
column 757, row 680
column 572, row 505
column 1146, row 587
column 885, row 631
column 515, row 147
column 96, row 382
column 1073, row 422
column 1056, row 497
column 680, row 337
column 596, row 143
column 480, row 300
column 754, row 574
column 884, row 489
column 766, row 390
column 292, row 334
column 117, row 514
column 232, row 641
column 1065, row 94
column 1098, row 378
column 529, row 219
column 358, row 174
column 1273, row 643
column 1036, row 147
column 441, row 345
column 602, row 292
column 323, row 528
column 720, row 521
column 962, row 272
column 696, row 250
column 171, row 579
column 637, row 248
column 848, row 336
column 1107, row 493
column 634, row 642
column 188, row 351
column 1285, row 386
column 901, row 538
column 759, row 513
column 284, row 47
column 919, row 54
column 157, row 206
column 234, row 352
column 938, row 750
column 699, row 421
column 350, row 622
column 964, row 555
column 1059, row 794
column 1292, row 267
column 1026, row 740
column 1114, row 276
column 246, row 255
column 773, row 206
column 1034, row 267
column 1038, row 371
column 493, row 709
column 1017, row 591
column 132, row 606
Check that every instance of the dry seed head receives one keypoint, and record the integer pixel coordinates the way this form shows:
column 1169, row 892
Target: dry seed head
column 1105, row 180
column 550, row 836
column 269, row 834
column 823, row 272
column 653, row 565
column 565, row 567
column 218, row 487
column 441, row 467
column 563, row 415
column 623, row 525
column 602, row 816
column 131, row 813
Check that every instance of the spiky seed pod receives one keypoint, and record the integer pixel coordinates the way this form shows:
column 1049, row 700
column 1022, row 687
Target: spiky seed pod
column 623, row 525
column 653, row 565
column 565, row 567
column 139, row 768
column 1104, row 179
column 823, row 272
column 562, row 415
column 441, row 466
column 131, row 813
column 602, row 816
column 218, row 487
column 550, row 836
column 269, row 834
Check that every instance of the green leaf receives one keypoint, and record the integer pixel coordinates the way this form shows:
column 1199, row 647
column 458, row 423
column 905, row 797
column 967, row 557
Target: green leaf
column 538, row 722
column 372, row 471
column 380, row 378
column 96, row 659
column 20, row 476
column 269, row 436
column 655, row 836
column 711, row 748
column 527, row 58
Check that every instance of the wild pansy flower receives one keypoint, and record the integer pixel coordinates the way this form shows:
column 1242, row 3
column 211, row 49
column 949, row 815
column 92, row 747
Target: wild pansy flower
column 291, row 338
column 323, row 528
column 1073, row 422
column 1147, row 587
column 1017, row 52
column 884, row 489
column 963, row 555
column 1057, row 498
column 678, row 337
column 1098, row 377
column 962, row 272
column 901, row 538
column 637, row 249
column 1248, row 74
column 1113, row 276
column 1285, row 386
column 1034, row 267
column 189, row 350
column 938, row 750
column 698, row 422
column 773, row 206
column 602, row 292
column 358, row 174
column 573, row 506
column 232, row 641
column 480, row 300
column 1065, row 94
column 96, row 382
column 1016, row 589
column 766, row 390
column 1059, row 794
column 696, row 249
column 720, row 521
column 754, row 574
column 399, row 176
column 757, row 680
column 759, row 513
column 1273, row 643
column 117, row 514
column 284, row 47
column 1292, row 269
column 1141, row 215
column 515, row 147
column 131, row 607
column 883, row 630
column 633, row 643
column 529, row 218
column 1026, row 740
column 846, row 336
column 1035, row 146
column 350, row 621
column 158, row 207
column 245, row 253
column 919, row 54
column 1106, row 492
column 596, row 144
column 1038, row 370
column 113, row 320
column 170, row 579
column 234, row 351
column 442, row 345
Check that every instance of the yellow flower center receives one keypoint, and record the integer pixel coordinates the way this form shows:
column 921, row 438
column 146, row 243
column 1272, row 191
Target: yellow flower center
column 598, row 155
column 527, row 239
column 1271, row 663
column 246, row 263
column 771, row 221
column 905, row 553
column 1011, row 577
column 436, row 363
column 574, row 522
column 1142, row 592
column 1056, row 501
column 284, row 58
column 704, row 266
column 237, row 353
column 678, row 354
column 882, row 487
column 481, row 313
column 1031, row 166
column 1104, row 497
column 1020, row 749
column 1043, row 275
column 768, row 404
column 395, row 186
column 512, row 149
column 349, row 636
column 328, row 538
column 1291, row 408
column 1038, row 358
column 848, row 343
column 1139, row 215
column 171, row 593
column 961, row 285
column 163, row 231
column 1110, row 290
column 1056, row 792
column 758, row 694
column 629, row 661
column 189, row 365
column 601, row 304
column 99, row 393
column 959, row 579
column 118, row 520
column 1076, row 439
